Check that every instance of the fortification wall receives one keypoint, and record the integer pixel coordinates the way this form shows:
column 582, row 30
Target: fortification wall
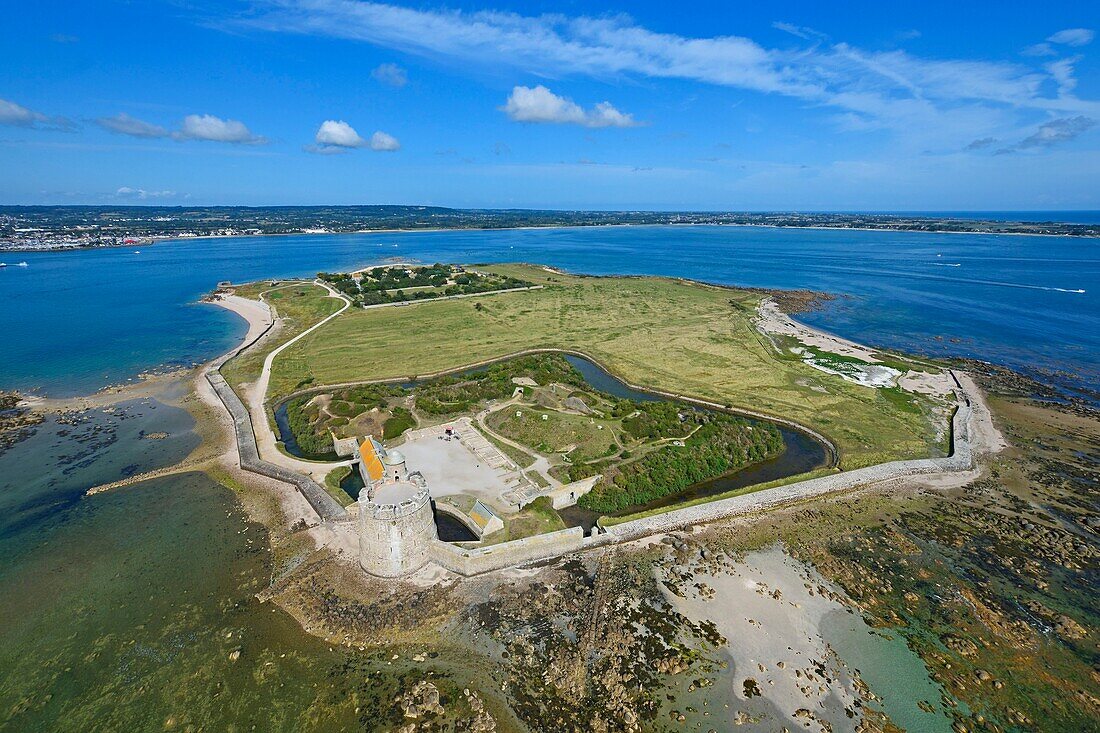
column 395, row 539
column 326, row 507
column 961, row 459
column 516, row 552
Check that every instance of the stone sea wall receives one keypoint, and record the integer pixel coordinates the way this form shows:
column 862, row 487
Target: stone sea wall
column 325, row 506
column 484, row 559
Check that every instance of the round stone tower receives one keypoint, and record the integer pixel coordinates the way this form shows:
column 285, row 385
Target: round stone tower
column 396, row 528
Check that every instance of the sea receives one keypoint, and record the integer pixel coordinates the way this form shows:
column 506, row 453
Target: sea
column 76, row 321
column 123, row 611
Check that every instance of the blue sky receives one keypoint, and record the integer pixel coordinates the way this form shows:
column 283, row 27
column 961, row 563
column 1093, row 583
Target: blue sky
column 647, row 105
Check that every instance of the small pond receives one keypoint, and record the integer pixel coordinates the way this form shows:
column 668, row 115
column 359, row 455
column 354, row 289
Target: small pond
column 352, row 484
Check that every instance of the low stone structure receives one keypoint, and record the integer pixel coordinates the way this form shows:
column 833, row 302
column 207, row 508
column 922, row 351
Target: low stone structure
column 567, row 495
column 485, row 518
column 507, row 554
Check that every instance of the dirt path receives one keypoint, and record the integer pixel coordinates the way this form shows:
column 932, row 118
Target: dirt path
column 541, row 466
column 255, row 396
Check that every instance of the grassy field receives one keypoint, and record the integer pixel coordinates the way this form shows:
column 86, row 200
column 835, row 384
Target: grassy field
column 302, row 304
column 557, row 432
column 667, row 334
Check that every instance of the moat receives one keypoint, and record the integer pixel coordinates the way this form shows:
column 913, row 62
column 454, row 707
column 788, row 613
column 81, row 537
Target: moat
column 801, row 453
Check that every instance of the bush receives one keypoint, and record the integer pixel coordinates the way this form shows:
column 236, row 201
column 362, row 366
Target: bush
column 452, row 395
column 312, row 438
column 721, row 444
column 399, row 421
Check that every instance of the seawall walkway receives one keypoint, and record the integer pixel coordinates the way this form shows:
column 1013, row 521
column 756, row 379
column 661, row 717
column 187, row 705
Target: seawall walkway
column 327, row 508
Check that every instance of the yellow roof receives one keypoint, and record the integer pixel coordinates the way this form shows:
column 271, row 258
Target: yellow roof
column 481, row 514
column 370, row 460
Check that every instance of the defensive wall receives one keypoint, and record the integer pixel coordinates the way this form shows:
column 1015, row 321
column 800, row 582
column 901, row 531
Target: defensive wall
column 507, row 554
column 543, row 547
column 249, row 453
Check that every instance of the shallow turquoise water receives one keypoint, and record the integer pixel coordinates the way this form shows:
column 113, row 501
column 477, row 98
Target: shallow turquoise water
column 894, row 672
column 78, row 320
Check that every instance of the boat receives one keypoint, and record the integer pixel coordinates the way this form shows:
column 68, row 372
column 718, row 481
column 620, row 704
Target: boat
column 3, row 264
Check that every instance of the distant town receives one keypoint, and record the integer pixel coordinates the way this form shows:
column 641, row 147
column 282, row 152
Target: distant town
column 25, row 228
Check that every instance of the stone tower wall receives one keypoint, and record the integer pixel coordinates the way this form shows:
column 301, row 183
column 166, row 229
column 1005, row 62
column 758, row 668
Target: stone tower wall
column 395, row 539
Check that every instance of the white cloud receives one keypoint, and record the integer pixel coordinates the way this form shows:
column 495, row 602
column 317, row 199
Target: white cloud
column 124, row 124
column 1073, row 37
column 337, row 136
column 215, row 129
column 338, row 133
column 539, row 104
column 918, row 98
column 17, row 115
column 391, row 74
column 384, row 142
column 193, row 127
column 1062, row 73
column 808, row 34
column 141, row 193
column 1040, row 49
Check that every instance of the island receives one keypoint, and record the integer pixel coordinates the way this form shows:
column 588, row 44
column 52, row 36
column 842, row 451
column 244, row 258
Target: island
column 475, row 417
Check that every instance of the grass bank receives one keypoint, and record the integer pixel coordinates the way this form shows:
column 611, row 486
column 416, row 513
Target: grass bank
column 667, row 334
column 300, row 304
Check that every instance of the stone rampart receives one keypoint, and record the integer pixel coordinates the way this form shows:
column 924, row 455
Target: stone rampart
column 517, row 552
column 325, row 506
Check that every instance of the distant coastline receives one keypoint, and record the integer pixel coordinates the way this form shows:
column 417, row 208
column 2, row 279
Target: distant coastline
column 50, row 229
column 17, row 248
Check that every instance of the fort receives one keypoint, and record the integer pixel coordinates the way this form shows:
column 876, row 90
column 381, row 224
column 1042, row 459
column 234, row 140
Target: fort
column 471, row 468
column 412, row 544
column 396, row 509
column 396, row 522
